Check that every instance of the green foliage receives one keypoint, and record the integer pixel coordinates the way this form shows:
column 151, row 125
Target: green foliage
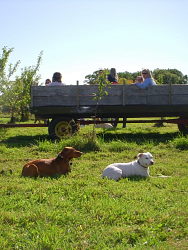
column 128, row 75
column 4, row 78
column 100, row 79
column 15, row 93
column 92, row 78
column 8, row 90
column 27, row 78
column 102, row 83
column 97, row 77
column 86, row 143
column 166, row 76
column 180, row 143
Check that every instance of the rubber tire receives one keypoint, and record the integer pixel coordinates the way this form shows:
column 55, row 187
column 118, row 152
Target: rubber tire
column 115, row 122
column 183, row 129
column 61, row 127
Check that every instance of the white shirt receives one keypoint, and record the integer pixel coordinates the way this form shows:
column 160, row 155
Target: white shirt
column 56, row 84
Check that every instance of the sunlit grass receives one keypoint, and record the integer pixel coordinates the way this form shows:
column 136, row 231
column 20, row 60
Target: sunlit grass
column 84, row 211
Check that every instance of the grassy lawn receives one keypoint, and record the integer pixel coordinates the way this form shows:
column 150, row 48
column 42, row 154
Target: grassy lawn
column 84, row 211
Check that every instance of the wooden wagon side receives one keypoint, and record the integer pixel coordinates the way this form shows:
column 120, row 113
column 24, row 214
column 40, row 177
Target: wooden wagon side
column 67, row 103
column 124, row 99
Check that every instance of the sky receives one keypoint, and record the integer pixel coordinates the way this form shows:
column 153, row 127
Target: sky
column 78, row 37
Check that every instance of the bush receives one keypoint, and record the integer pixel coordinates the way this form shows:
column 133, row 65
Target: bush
column 180, row 143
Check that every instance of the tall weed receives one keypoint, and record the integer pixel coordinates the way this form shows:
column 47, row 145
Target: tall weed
column 180, row 142
column 84, row 142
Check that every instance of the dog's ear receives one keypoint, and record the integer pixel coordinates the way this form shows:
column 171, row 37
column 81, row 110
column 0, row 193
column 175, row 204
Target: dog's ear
column 65, row 151
column 149, row 154
column 139, row 155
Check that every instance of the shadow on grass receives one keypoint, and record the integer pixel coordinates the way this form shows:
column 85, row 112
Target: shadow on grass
column 54, row 177
column 138, row 178
column 139, row 137
column 132, row 178
column 23, row 140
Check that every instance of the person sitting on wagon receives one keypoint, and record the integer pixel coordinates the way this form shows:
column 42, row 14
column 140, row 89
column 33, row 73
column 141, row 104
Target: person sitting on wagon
column 147, row 80
column 113, row 77
column 47, row 82
column 139, row 79
column 56, row 80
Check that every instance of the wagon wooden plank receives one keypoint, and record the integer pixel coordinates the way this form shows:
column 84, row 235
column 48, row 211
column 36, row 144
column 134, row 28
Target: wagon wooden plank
column 118, row 95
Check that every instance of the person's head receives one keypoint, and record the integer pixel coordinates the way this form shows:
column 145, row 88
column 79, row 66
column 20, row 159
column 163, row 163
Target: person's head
column 113, row 72
column 47, row 81
column 56, row 77
column 146, row 73
column 139, row 79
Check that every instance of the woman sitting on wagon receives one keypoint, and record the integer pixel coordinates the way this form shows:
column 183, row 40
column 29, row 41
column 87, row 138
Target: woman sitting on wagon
column 113, row 77
column 147, row 80
column 56, row 80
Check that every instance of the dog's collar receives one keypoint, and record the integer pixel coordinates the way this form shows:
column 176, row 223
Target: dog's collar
column 141, row 164
column 60, row 156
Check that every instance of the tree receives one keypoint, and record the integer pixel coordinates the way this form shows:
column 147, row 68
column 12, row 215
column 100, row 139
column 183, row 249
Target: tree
column 127, row 75
column 166, row 76
column 99, row 78
column 15, row 93
column 97, row 75
column 28, row 78
column 8, row 93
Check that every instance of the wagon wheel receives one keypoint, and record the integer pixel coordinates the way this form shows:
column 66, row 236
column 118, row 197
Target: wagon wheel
column 183, row 128
column 60, row 127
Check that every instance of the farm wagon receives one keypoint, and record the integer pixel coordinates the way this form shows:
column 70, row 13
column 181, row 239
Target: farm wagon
column 67, row 106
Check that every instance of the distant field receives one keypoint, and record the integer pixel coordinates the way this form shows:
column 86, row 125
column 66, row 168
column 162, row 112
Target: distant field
column 84, row 211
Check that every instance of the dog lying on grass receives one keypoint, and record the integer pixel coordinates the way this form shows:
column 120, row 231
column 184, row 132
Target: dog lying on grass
column 139, row 167
column 104, row 125
column 59, row 165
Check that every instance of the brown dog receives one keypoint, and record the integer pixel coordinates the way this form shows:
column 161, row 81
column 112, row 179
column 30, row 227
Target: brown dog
column 51, row 167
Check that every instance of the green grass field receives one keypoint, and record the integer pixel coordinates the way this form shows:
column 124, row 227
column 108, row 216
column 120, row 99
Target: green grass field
column 84, row 211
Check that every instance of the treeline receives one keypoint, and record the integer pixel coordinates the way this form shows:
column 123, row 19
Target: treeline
column 161, row 76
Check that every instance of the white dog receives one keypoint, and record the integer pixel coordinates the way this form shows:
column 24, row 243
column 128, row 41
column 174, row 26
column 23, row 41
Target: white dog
column 139, row 167
column 104, row 125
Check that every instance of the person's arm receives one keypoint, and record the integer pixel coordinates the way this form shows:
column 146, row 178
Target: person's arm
column 144, row 84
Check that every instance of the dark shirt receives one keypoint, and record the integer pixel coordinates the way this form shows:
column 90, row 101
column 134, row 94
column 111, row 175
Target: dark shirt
column 111, row 79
